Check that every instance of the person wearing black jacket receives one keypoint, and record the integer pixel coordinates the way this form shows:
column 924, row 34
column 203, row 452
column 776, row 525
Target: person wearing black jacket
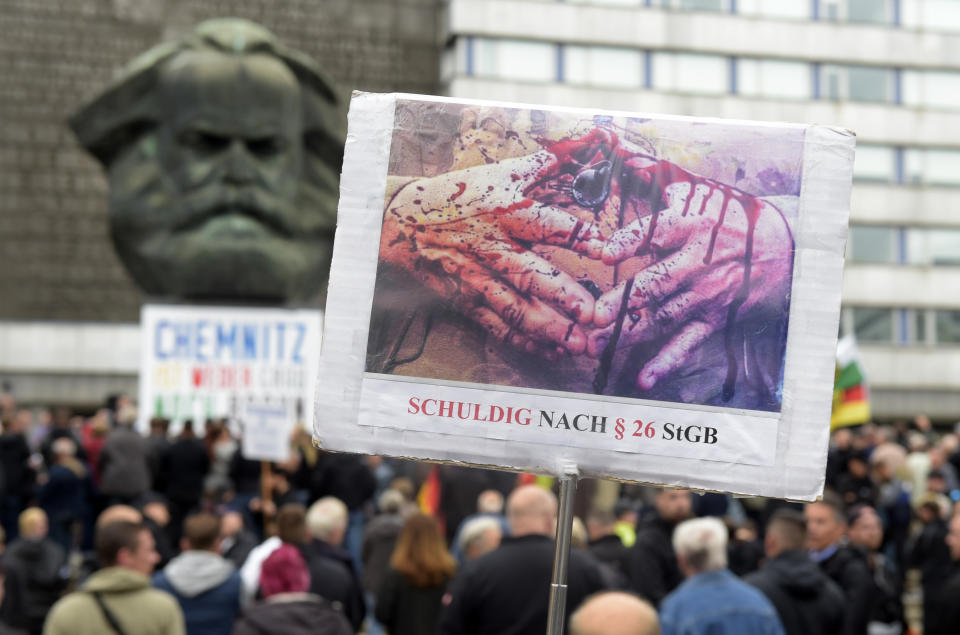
column 183, row 469
column 944, row 618
column 16, row 476
column 808, row 602
column 34, row 568
column 651, row 568
column 332, row 575
column 506, row 591
column 826, row 526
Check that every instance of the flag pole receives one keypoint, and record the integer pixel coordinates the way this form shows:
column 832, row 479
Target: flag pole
column 561, row 558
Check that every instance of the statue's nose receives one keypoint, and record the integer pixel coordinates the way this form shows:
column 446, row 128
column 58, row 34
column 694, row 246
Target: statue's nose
column 239, row 164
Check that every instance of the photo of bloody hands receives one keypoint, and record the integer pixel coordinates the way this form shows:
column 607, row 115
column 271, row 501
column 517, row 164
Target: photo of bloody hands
column 577, row 244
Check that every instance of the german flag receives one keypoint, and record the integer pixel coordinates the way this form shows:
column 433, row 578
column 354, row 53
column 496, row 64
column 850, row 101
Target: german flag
column 851, row 399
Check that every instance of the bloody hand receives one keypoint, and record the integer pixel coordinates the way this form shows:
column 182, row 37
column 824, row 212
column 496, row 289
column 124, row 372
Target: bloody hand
column 720, row 253
column 468, row 235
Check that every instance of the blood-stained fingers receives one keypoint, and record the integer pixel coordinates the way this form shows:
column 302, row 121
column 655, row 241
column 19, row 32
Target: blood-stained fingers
column 673, row 356
column 550, row 226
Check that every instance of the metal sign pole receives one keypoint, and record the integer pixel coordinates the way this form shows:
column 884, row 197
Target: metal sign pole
column 561, row 557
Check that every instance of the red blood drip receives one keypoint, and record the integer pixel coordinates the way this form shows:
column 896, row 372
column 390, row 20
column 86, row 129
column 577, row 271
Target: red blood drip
column 461, row 187
column 752, row 211
column 509, row 209
column 514, row 177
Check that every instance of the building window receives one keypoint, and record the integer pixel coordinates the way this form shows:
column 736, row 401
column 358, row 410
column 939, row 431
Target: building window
column 932, row 89
column 616, row 3
column 948, row 327
column 918, row 326
column 603, row 66
column 790, row 9
column 857, row 11
column 941, row 15
column 687, row 73
column 877, row 245
column 872, row 324
column 931, row 167
column 695, row 5
column 938, row 247
column 515, row 59
column 875, row 163
column 771, row 78
column 857, row 83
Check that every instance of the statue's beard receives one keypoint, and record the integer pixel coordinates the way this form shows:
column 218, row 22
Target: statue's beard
column 220, row 242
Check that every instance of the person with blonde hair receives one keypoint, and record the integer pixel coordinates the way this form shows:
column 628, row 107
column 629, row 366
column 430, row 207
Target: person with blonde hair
column 712, row 599
column 34, row 574
column 410, row 598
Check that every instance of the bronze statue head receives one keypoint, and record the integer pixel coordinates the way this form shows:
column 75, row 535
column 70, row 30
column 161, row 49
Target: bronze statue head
column 223, row 152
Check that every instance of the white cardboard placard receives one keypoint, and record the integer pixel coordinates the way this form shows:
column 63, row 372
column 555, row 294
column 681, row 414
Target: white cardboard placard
column 266, row 431
column 644, row 297
column 200, row 362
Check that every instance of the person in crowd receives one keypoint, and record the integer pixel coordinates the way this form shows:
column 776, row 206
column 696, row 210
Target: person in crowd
column 157, row 444
column 410, row 597
column 614, row 613
column 855, row 486
column 627, row 512
column 826, row 529
column 93, row 436
column 745, row 551
column 651, row 568
column 807, row 601
column 236, row 541
column 379, row 541
column 461, row 491
column 65, row 496
column 332, row 575
column 506, row 592
column 287, row 606
column 489, row 504
column 865, row 533
column 930, row 553
column 61, row 426
column 281, row 493
column 221, row 448
column 939, row 463
column 348, row 478
column 712, row 601
column 124, row 476
column 838, row 456
column 16, row 475
column 944, row 615
column 605, row 545
column 478, row 537
column 206, row 585
column 183, row 469
column 892, row 504
column 35, row 574
column 118, row 598
column 156, row 516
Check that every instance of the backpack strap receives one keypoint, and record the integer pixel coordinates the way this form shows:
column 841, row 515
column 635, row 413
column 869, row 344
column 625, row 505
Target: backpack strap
column 107, row 613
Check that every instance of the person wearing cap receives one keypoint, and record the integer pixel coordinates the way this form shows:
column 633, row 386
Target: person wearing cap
column 287, row 606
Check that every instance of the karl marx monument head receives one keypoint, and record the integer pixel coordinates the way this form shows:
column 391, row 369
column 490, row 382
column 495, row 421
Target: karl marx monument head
column 223, row 151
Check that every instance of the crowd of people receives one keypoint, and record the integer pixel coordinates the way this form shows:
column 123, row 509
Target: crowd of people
column 106, row 530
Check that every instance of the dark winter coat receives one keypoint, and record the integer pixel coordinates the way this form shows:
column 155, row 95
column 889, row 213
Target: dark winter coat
column 405, row 609
column 333, row 578
column 183, row 468
column 17, row 477
column 507, row 591
column 611, row 553
column 652, row 570
column 848, row 568
column 945, row 619
column 293, row 614
column 379, row 540
column 808, row 602
column 35, row 578
column 123, row 465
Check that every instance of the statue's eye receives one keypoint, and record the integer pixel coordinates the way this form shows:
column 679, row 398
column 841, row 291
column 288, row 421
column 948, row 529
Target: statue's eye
column 204, row 142
column 265, row 146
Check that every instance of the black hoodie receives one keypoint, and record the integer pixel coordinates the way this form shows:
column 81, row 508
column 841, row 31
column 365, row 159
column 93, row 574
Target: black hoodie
column 35, row 578
column 293, row 614
column 808, row 602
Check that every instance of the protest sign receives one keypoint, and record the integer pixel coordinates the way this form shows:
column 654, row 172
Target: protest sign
column 266, row 431
column 201, row 362
column 646, row 297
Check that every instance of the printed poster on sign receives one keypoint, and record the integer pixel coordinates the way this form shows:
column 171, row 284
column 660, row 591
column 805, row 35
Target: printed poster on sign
column 201, row 362
column 266, row 428
column 589, row 288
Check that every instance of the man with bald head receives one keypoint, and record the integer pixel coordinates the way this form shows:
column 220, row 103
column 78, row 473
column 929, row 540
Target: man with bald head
column 615, row 613
column 507, row 591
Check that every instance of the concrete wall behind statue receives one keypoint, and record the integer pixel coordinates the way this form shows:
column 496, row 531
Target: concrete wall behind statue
column 56, row 261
